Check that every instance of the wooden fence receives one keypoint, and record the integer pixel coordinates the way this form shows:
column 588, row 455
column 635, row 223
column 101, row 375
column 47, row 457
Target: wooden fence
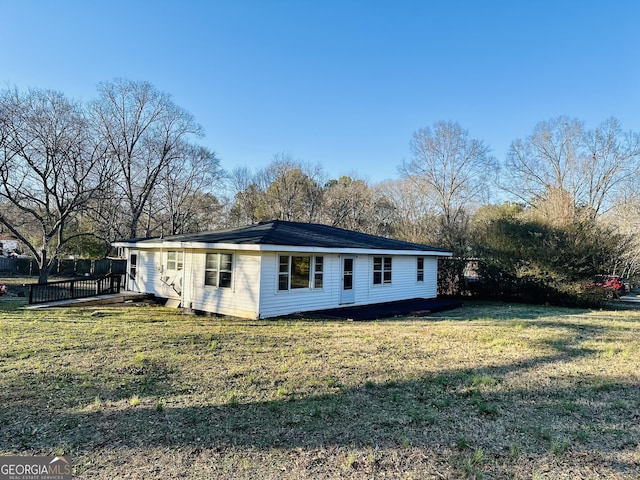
column 29, row 267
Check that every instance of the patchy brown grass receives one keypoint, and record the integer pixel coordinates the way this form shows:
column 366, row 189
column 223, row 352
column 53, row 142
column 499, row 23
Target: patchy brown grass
column 485, row 391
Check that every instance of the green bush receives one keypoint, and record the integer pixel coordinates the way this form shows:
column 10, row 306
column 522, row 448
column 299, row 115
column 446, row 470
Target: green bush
column 533, row 262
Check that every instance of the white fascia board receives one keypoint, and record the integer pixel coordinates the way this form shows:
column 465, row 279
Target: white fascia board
column 280, row 248
column 352, row 251
column 125, row 244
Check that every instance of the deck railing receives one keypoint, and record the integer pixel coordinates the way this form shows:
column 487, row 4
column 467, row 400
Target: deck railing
column 76, row 288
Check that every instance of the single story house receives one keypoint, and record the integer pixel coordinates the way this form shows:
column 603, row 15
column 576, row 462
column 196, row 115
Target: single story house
column 277, row 268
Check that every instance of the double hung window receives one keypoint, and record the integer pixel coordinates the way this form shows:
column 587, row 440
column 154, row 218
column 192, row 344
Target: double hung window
column 218, row 270
column 381, row 270
column 175, row 260
column 420, row 270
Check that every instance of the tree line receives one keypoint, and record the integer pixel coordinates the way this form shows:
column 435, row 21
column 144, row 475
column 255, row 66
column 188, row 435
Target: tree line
column 562, row 205
column 76, row 176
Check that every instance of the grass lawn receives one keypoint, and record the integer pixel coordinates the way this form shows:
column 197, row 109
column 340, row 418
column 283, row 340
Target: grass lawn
column 485, row 391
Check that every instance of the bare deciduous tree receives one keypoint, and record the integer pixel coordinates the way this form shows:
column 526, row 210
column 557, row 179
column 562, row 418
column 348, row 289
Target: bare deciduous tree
column 563, row 168
column 50, row 168
column 349, row 203
column 612, row 158
column 292, row 190
column 185, row 187
column 144, row 130
column 414, row 218
column 453, row 171
column 247, row 196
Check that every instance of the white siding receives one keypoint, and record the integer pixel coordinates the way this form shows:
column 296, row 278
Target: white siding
column 404, row 284
column 274, row 302
column 241, row 300
column 254, row 292
column 150, row 274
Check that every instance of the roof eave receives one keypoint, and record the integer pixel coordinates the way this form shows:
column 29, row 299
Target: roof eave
column 278, row 248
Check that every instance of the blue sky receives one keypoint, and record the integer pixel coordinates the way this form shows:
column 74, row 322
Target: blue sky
column 340, row 83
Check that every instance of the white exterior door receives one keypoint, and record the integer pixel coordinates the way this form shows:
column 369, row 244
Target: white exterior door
column 347, row 293
column 132, row 284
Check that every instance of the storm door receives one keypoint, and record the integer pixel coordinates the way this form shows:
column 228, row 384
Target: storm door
column 347, row 294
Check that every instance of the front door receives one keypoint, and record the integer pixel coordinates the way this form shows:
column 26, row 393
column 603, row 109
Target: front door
column 132, row 284
column 347, row 294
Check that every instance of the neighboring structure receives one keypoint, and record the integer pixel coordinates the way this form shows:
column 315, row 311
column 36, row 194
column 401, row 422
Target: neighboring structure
column 8, row 246
column 278, row 268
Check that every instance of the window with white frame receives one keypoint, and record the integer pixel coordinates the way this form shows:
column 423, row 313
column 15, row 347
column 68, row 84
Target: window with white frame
column 381, row 270
column 297, row 271
column 218, row 268
column 318, row 271
column 420, row 269
column 175, row 260
column 283, row 273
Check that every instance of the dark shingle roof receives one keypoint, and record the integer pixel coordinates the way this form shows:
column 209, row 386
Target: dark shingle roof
column 279, row 232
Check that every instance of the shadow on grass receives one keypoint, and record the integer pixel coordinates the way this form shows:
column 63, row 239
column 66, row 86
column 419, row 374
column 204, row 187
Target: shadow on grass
column 429, row 413
column 466, row 309
column 37, row 394
column 596, row 415
column 480, row 309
